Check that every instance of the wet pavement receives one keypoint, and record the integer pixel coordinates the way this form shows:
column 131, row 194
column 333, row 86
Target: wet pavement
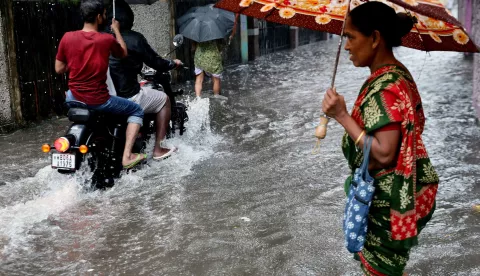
column 244, row 195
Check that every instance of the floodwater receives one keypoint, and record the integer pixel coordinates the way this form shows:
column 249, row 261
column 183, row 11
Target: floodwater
column 244, row 195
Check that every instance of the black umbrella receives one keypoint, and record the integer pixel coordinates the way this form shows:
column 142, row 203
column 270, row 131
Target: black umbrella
column 206, row 23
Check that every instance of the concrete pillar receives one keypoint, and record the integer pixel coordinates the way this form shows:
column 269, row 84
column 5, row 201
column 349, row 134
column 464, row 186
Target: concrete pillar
column 253, row 43
column 475, row 33
column 468, row 15
column 10, row 105
column 461, row 10
column 244, row 38
column 293, row 37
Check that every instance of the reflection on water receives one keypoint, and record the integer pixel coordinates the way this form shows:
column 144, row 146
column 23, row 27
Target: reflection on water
column 244, row 194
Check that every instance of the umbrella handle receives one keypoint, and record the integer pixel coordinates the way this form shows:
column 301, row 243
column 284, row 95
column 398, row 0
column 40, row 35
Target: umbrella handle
column 321, row 129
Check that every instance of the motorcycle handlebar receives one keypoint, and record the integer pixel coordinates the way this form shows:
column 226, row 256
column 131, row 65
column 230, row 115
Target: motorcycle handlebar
column 152, row 73
column 182, row 66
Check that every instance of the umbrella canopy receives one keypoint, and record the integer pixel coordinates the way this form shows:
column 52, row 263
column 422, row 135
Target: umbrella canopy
column 436, row 30
column 206, row 23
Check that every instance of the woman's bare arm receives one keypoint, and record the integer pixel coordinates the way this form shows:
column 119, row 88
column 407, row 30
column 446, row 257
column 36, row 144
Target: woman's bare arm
column 385, row 143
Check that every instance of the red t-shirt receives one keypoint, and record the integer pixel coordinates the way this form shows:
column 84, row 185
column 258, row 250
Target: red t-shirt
column 86, row 55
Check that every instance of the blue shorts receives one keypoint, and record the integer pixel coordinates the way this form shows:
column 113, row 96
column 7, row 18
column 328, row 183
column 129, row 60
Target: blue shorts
column 117, row 105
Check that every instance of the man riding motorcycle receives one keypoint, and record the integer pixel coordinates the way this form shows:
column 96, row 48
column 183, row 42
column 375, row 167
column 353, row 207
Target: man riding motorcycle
column 84, row 54
column 124, row 74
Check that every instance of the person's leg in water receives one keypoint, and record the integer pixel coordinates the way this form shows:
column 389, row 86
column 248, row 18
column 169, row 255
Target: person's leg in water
column 123, row 106
column 131, row 135
column 216, row 85
column 163, row 118
column 199, row 83
column 156, row 102
column 135, row 121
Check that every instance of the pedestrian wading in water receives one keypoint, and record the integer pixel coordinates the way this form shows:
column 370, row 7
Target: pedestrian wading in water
column 208, row 61
column 389, row 109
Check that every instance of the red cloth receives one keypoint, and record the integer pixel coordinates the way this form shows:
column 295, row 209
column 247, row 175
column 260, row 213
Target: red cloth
column 86, row 55
column 391, row 126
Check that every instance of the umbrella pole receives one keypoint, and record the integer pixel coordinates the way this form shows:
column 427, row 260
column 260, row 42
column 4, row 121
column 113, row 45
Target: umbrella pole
column 321, row 130
column 113, row 8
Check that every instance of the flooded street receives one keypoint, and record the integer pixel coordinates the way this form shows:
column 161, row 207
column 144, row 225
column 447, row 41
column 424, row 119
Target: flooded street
column 244, row 195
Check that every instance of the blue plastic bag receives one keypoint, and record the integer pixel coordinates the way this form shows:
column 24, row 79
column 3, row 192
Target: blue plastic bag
column 359, row 199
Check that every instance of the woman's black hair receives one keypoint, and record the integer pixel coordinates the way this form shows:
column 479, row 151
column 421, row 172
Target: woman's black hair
column 378, row 16
column 89, row 10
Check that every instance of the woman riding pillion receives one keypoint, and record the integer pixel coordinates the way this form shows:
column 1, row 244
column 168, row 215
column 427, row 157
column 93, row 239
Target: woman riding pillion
column 389, row 109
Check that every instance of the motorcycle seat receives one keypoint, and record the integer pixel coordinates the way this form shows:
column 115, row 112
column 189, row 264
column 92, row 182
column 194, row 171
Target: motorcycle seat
column 80, row 115
column 79, row 112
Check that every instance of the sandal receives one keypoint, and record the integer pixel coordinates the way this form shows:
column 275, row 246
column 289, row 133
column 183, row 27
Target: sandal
column 140, row 158
column 166, row 155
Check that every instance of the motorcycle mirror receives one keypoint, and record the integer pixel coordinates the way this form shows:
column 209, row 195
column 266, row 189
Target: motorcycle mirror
column 177, row 40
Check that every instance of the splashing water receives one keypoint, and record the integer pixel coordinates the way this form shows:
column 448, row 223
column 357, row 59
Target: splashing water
column 49, row 198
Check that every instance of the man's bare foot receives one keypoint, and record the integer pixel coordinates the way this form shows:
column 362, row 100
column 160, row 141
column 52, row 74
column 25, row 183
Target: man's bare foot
column 162, row 153
column 157, row 152
column 133, row 160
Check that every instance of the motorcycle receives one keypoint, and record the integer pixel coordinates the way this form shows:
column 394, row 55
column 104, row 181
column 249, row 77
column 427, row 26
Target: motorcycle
column 99, row 138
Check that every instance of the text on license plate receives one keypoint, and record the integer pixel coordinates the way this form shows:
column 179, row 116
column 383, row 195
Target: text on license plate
column 63, row 160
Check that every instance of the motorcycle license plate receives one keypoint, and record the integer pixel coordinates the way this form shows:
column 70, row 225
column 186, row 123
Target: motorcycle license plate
column 63, row 161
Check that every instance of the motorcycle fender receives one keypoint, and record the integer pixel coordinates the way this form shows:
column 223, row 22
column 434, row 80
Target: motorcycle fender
column 80, row 132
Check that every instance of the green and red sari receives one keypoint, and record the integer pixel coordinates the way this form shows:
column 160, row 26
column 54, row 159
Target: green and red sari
column 404, row 198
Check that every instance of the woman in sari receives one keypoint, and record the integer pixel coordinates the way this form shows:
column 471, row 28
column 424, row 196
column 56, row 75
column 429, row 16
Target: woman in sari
column 389, row 109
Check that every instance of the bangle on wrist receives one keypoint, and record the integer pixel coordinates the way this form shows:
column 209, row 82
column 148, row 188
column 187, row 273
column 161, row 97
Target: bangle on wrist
column 359, row 137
